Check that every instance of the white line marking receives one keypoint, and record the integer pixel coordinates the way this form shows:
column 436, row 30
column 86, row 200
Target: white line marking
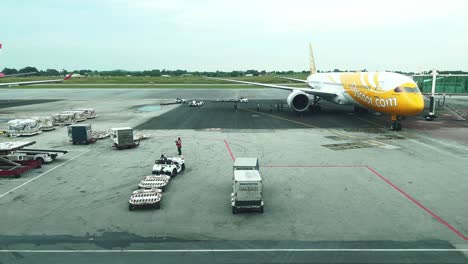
column 16, row 188
column 234, row 250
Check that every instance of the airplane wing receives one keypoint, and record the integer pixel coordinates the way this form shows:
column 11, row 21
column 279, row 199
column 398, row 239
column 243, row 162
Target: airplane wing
column 293, row 79
column 287, row 88
column 16, row 74
column 36, row 82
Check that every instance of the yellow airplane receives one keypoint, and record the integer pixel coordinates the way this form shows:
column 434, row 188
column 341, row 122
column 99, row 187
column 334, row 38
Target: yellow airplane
column 385, row 92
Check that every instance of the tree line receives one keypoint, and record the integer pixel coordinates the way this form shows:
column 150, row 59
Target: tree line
column 151, row 73
column 159, row 73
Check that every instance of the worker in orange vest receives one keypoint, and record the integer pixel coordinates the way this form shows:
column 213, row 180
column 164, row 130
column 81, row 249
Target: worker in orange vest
column 178, row 143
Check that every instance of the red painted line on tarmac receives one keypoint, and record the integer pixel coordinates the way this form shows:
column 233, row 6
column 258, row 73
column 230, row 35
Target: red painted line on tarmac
column 188, row 138
column 438, row 218
column 317, row 166
column 229, row 150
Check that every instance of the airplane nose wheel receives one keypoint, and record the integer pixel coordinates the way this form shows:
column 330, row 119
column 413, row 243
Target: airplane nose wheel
column 396, row 124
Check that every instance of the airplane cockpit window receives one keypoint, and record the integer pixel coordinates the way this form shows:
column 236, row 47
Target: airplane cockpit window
column 409, row 90
column 398, row 90
column 412, row 89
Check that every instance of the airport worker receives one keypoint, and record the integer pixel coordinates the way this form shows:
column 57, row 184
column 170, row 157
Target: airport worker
column 163, row 158
column 179, row 145
column 258, row 107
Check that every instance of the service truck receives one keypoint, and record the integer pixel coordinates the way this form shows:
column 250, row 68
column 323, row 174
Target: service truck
column 247, row 191
column 44, row 155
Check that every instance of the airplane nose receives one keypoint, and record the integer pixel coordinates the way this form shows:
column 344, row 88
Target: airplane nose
column 416, row 104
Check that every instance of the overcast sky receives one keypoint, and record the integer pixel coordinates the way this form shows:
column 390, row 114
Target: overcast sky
column 234, row 35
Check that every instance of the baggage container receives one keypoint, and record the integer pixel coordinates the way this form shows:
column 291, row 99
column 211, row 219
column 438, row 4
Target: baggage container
column 123, row 138
column 81, row 134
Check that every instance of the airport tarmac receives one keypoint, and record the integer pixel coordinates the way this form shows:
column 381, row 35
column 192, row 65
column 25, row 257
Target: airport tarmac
column 338, row 186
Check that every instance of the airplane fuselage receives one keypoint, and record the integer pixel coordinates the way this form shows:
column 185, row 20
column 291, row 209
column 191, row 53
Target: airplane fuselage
column 384, row 92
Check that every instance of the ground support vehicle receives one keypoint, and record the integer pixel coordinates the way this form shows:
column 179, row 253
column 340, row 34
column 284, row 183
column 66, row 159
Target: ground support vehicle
column 145, row 198
column 44, row 155
column 10, row 168
column 154, row 181
column 195, row 103
column 170, row 166
column 247, row 191
column 246, row 164
column 15, row 169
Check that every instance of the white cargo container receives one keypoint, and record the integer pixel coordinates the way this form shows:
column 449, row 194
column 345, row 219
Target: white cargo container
column 247, row 191
column 123, row 137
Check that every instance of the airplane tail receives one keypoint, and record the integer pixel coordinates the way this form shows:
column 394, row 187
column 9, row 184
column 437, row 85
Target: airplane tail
column 313, row 70
column 68, row 77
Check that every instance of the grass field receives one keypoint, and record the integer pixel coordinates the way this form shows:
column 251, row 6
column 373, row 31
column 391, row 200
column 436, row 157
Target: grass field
column 150, row 82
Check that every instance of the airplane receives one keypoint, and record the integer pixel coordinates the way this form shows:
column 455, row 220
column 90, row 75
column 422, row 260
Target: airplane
column 30, row 82
column 16, row 74
column 386, row 92
column 36, row 82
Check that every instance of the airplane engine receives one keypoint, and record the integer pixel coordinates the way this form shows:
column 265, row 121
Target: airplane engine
column 298, row 101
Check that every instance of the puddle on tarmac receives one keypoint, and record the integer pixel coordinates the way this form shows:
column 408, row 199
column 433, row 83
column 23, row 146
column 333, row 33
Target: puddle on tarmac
column 148, row 108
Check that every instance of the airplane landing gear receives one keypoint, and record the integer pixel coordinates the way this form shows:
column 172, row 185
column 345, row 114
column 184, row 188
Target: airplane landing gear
column 396, row 124
column 315, row 107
